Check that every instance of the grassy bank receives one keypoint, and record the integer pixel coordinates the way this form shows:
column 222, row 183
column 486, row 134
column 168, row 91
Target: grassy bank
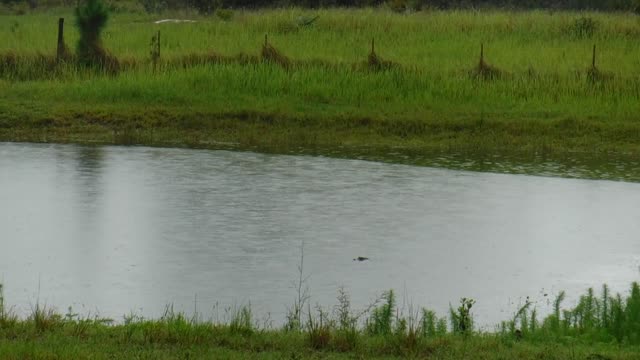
column 600, row 326
column 217, row 85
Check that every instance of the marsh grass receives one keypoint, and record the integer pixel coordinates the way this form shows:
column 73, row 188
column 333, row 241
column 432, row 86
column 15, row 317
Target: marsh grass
column 45, row 318
column 7, row 318
column 594, row 318
column 242, row 321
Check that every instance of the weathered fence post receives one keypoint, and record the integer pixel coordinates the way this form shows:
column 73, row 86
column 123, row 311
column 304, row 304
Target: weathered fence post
column 373, row 50
column 593, row 59
column 482, row 54
column 155, row 50
column 60, row 50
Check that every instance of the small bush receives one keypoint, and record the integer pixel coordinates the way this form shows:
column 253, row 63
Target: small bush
column 91, row 20
column 153, row 6
column 286, row 27
column 398, row 5
column 206, row 7
column 224, row 14
column 584, row 27
column 20, row 8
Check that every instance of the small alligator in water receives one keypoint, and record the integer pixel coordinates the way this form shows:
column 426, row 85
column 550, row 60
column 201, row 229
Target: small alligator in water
column 361, row 258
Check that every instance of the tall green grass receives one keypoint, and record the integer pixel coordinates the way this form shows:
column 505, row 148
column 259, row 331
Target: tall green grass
column 595, row 318
column 442, row 42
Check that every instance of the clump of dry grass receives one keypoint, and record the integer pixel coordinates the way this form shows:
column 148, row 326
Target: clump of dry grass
column 595, row 75
column 272, row 55
column 24, row 67
column 484, row 71
column 65, row 54
column 376, row 63
column 108, row 63
column 27, row 67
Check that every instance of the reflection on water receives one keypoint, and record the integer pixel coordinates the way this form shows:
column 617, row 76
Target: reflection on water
column 121, row 229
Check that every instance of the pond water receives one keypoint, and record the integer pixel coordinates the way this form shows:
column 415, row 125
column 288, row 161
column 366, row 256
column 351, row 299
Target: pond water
column 119, row 230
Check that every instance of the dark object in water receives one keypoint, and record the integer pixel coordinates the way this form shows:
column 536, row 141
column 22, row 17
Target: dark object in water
column 361, row 258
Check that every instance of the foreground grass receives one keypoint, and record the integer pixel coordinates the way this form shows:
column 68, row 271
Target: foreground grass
column 598, row 327
column 320, row 91
column 112, row 343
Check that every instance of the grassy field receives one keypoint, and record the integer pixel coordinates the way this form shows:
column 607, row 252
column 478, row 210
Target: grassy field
column 317, row 86
column 600, row 326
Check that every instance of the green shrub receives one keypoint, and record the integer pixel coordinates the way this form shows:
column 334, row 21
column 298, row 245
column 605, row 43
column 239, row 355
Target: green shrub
column 584, row 27
column 224, row 14
column 397, row 5
column 91, row 20
column 153, row 6
column 206, row 7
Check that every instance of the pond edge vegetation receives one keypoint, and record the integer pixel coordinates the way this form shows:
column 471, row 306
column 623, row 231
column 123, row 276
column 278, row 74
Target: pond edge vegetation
column 604, row 321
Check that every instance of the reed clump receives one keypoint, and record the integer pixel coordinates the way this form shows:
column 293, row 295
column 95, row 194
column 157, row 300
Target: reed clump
column 582, row 27
column 599, row 318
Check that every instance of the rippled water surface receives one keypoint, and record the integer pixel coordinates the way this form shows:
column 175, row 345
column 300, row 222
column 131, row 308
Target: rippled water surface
column 115, row 230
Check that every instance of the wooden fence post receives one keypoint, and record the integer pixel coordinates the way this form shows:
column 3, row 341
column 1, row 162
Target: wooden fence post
column 60, row 50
